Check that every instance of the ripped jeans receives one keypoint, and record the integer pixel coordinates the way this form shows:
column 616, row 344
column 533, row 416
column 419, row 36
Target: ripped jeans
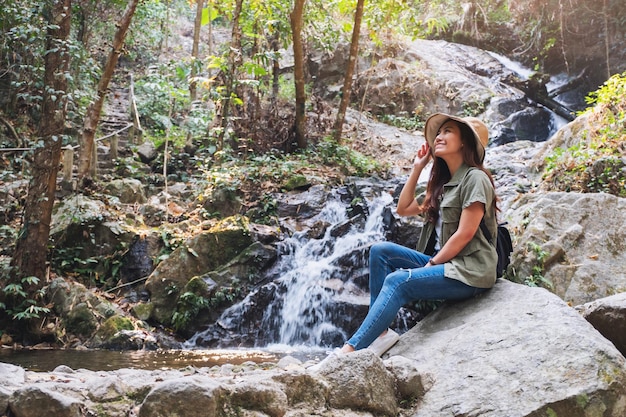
column 397, row 277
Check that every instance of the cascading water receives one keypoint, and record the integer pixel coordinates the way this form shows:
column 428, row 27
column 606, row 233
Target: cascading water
column 310, row 272
column 312, row 287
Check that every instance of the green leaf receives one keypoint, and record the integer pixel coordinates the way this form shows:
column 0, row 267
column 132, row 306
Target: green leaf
column 209, row 15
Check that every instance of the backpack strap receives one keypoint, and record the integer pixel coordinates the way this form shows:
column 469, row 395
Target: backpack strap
column 483, row 227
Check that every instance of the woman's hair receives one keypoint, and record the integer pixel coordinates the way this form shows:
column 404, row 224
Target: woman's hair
column 440, row 174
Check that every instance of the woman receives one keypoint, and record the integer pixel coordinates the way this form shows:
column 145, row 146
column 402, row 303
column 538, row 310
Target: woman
column 454, row 260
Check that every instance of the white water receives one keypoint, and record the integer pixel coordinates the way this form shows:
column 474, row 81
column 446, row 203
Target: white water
column 309, row 271
column 514, row 66
column 524, row 73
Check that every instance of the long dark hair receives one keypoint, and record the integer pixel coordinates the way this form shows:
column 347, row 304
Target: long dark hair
column 440, row 173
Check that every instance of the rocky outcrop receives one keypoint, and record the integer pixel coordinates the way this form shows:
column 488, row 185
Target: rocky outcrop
column 516, row 351
column 575, row 241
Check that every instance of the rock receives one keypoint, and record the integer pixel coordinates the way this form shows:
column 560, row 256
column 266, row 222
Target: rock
column 515, row 351
column 138, row 261
column 86, row 229
column 608, row 316
column 80, row 309
column 128, row 190
column 200, row 254
column 410, row 383
column 576, row 241
column 147, row 152
column 360, row 381
column 189, row 397
column 30, row 401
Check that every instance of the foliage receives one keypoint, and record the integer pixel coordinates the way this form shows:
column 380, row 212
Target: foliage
column 190, row 304
column 162, row 95
column 536, row 278
column 596, row 162
column 150, row 28
column 262, row 174
column 22, row 304
column 92, row 271
column 410, row 123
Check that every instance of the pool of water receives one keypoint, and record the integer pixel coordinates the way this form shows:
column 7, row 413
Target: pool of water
column 44, row 360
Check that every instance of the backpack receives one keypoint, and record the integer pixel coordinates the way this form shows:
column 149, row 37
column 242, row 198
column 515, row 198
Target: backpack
column 504, row 246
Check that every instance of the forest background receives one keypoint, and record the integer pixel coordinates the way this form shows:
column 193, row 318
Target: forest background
column 229, row 109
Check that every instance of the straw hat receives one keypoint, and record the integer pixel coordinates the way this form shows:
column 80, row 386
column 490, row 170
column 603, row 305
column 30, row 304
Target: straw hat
column 481, row 133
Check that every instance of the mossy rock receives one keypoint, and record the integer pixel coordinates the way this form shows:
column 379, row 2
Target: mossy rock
column 112, row 325
column 81, row 320
column 143, row 310
column 295, row 182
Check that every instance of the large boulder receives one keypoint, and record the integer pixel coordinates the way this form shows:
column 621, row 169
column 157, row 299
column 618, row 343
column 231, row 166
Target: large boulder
column 87, row 234
column 575, row 241
column 516, row 351
column 200, row 254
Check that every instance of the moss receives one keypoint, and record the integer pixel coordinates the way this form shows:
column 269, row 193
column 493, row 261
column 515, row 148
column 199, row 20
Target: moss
column 81, row 320
column 295, row 182
column 197, row 285
column 143, row 311
column 114, row 324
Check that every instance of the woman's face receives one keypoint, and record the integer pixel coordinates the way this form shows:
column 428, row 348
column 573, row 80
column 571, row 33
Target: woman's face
column 448, row 140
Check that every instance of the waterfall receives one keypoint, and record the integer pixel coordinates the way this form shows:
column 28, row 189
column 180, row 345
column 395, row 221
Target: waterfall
column 311, row 277
column 309, row 270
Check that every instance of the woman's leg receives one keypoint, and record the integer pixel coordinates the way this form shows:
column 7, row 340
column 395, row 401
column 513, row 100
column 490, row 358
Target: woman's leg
column 387, row 257
column 401, row 287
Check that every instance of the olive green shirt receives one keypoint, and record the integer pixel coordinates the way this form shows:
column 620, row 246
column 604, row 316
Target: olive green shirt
column 476, row 264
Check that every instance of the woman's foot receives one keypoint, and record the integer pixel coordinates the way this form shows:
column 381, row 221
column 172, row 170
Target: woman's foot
column 384, row 342
column 346, row 349
column 332, row 356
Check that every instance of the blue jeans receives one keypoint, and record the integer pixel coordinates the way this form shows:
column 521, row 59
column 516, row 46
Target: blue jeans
column 397, row 277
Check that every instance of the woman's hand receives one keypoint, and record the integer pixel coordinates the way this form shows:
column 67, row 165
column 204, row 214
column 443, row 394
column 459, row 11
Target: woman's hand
column 423, row 156
column 407, row 205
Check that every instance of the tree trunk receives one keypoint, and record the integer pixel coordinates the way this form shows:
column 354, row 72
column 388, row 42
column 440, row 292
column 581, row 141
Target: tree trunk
column 93, row 112
column 194, row 50
column 31, row 252
column 275, row 45
column 347, row 82
column 298, row 72
column 234, row 60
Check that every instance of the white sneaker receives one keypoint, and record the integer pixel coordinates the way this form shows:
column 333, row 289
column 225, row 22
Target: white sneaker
column 334, row 354
column 383, row 343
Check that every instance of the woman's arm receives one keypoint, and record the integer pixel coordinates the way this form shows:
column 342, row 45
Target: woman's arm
column 468, row 225
column 407, row 205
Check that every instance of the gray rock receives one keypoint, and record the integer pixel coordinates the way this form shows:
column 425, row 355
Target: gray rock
column 608, row 316
column 189, row 397
column 32, row 401
column 147, row 152
column 360, row 381
column 515, row 351
column 576, row 240
column 128, row 190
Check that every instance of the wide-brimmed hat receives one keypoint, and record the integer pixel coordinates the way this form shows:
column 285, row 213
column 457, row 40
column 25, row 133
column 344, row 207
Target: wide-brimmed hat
column 481, row 133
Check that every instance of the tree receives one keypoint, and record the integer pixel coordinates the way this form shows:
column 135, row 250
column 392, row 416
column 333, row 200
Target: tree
column 29, row 258
column 93, row 112
column 347, row 83
column 298, row 71
column 194, row 50
column 234, row 60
